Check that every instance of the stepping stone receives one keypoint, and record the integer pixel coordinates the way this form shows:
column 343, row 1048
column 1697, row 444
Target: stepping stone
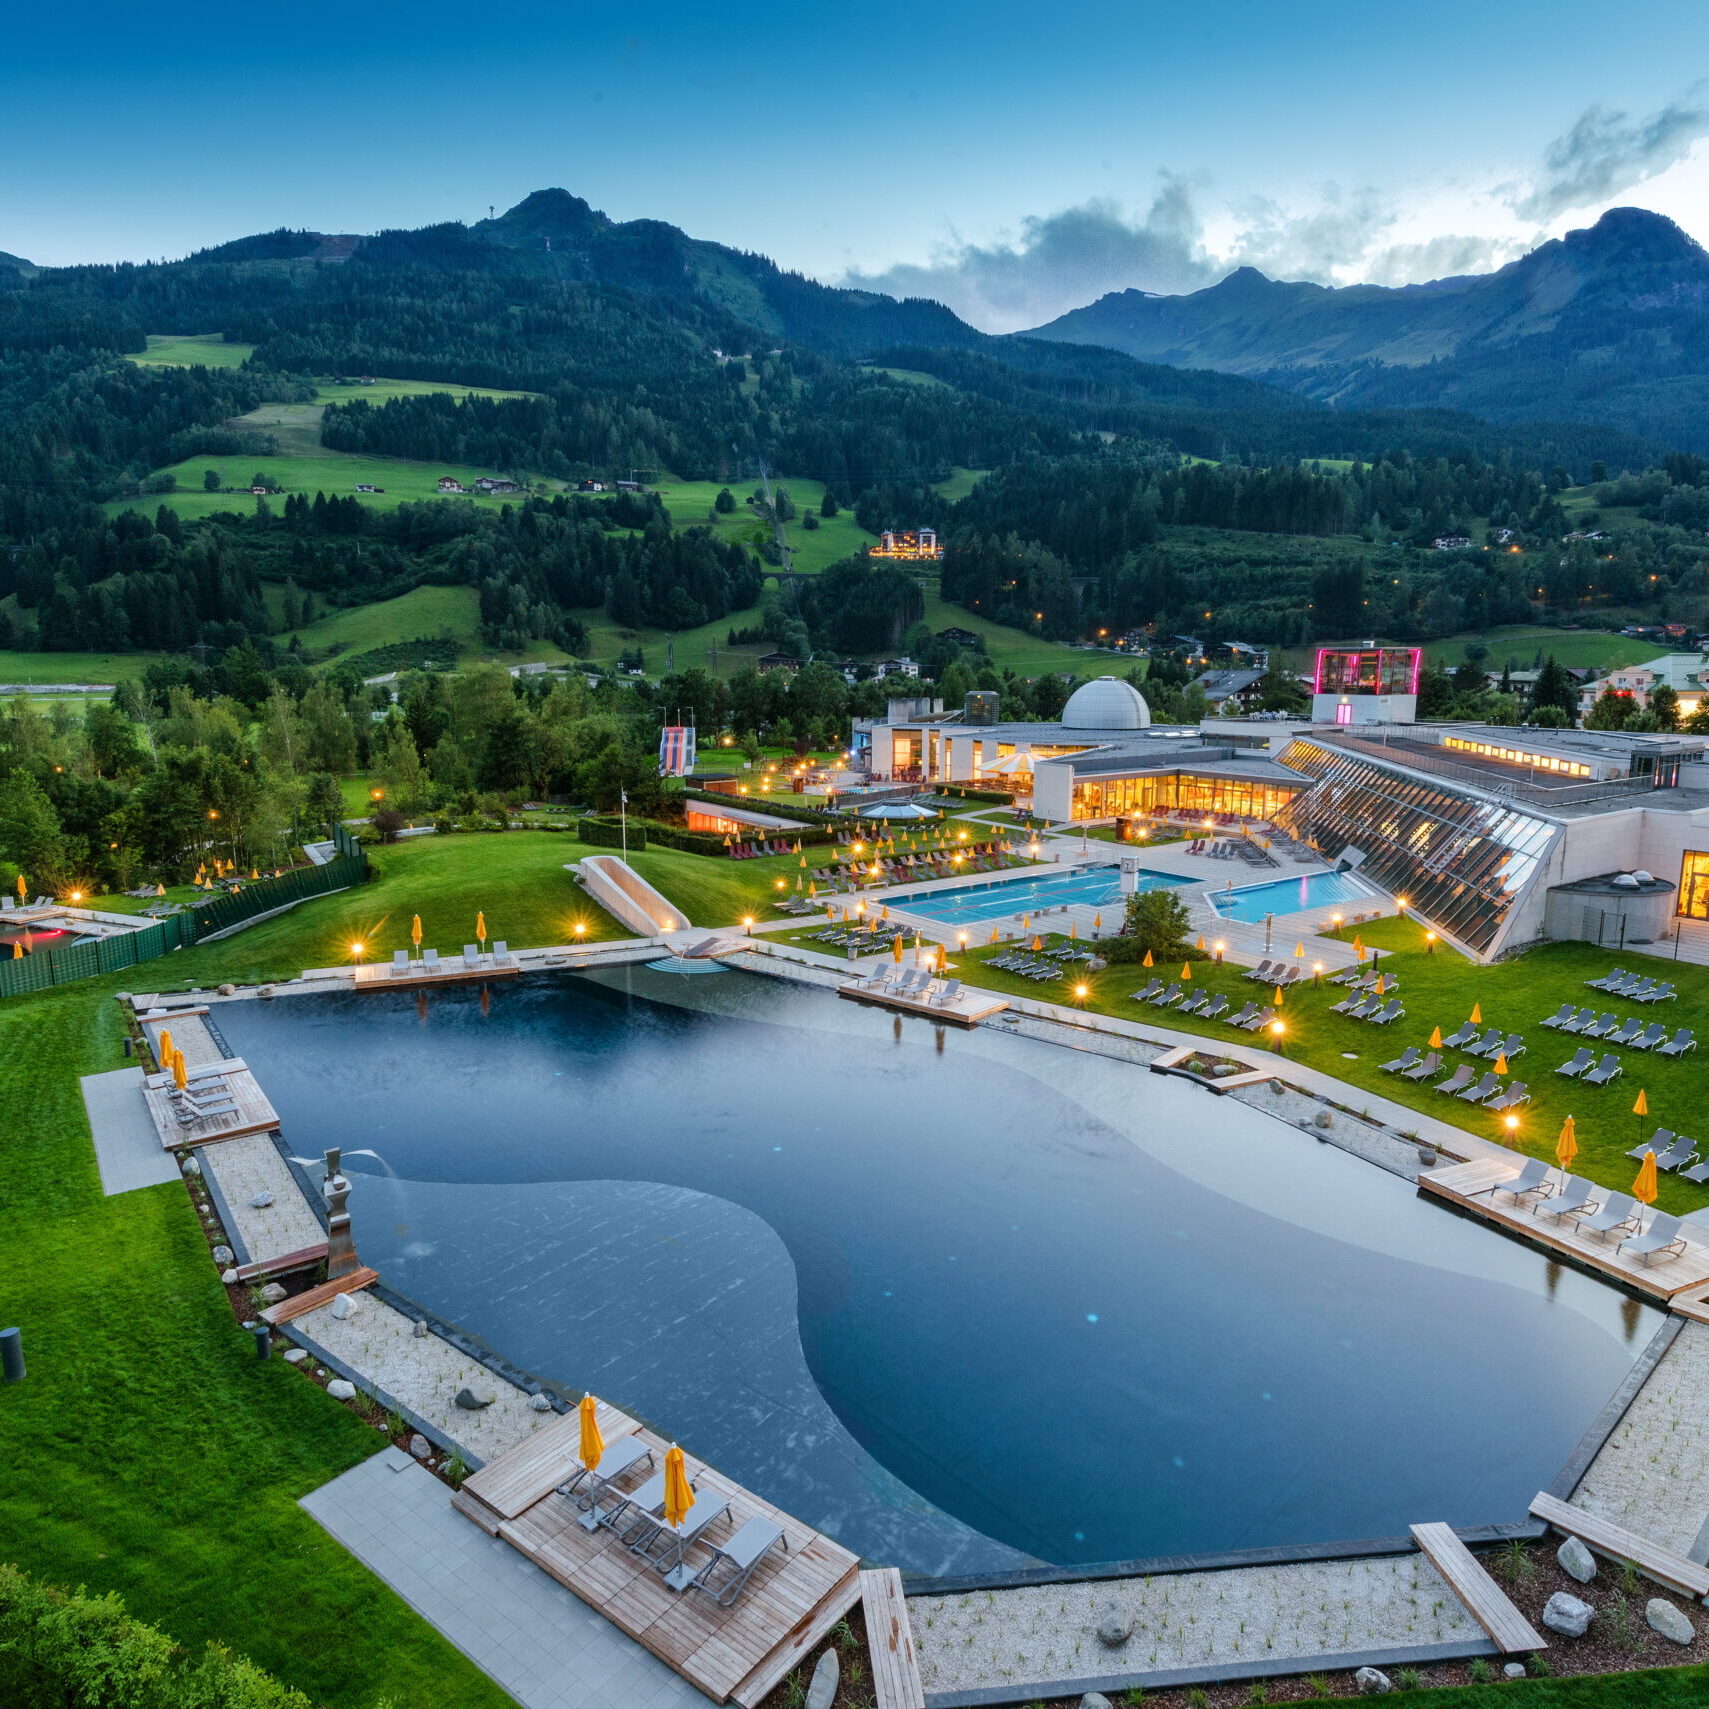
column 1576, row 1561
column 1663, row 1617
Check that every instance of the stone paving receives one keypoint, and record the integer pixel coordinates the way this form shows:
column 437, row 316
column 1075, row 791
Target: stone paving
column 128, row 1151
column 1652, row 1474
column 542, row 1645
column 1047, row 1634
column 246, row 1168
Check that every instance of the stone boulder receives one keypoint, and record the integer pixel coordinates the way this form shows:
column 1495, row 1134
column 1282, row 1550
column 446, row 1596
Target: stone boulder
column 223, row 1255
column 1567, row 1615
column 539, row 1403
column 228, row 990
column 419, row 1329
column 273, row 1293
column 339, row 1389
column 472, row 1402
column 261, row 1201
column 1095, row 1700
column 1372, row 1681
column 1576, row 1561
column 1663, row 1617
column 1115, row 1626
column 192, row 1165
column 296, row 1355
column 1513, row 1670
column 822, row 1688
column 229, row 1277
column 421, row 1447
column 345, row 1306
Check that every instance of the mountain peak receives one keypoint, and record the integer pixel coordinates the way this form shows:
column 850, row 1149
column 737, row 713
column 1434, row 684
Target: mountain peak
column 1632, row 234
column 548, row 213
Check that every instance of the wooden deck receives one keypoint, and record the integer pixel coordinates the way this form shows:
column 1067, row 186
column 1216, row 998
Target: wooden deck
column 1485, row 1600
column 298, row 1305
column 1467, row 1185
column 890, row 1642
column 254, row 1114
column 1619, row 1544
column 378, row 976
column 734, row 1654
column 968, row 1009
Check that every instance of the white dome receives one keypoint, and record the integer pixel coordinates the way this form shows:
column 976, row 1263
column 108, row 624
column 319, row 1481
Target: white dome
column 1106, row 703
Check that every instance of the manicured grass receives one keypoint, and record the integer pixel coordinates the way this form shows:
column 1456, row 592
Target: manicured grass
column 1014, row 650
column 148, row 1451
column 1655, row 1688
column 1439, row 990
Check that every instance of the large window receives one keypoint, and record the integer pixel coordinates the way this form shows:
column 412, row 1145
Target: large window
column 1168, row 792
column 1459, row 860
column 1694, row 885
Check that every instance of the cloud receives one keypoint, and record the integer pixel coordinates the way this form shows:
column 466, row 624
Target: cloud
column 1445, row 257
column 1317, row 244
column 1061, row 261
column 1605, row 154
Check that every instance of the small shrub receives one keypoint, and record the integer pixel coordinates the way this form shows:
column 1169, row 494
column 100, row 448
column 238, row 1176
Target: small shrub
column 1479, row 1671
column 456, row 1469
column 1539, row 1666
column 1516, row 1564
column 1258, row 1692
column 1408, row 1678
column 1317, row 1685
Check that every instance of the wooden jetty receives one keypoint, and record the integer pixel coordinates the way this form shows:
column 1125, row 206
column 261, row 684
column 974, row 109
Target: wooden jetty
column 254, row 1114
column 383, row 976
column 736, row 1654
column 1605, row 1537
column 890, row 1641
column 966, row 1009
column 1468, row 1185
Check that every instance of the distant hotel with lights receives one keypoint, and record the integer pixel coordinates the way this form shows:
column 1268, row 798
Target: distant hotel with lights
column 1495, row 836
column 915, row 544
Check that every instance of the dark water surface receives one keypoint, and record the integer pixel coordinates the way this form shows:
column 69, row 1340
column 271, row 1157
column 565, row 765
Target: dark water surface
column 1088, row 1311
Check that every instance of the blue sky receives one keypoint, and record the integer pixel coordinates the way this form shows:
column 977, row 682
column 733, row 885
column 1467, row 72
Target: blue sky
column 948, row 138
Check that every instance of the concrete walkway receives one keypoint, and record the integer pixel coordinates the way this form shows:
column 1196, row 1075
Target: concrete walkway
column 520, row 1627
column 128, row 1151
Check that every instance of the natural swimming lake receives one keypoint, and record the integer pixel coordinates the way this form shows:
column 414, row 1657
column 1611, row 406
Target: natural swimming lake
column 1051, row 1305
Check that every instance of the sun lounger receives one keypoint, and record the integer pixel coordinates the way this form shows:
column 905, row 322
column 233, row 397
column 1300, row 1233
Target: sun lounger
column 1262, row 970
column 189, row 1114
column 1460, row 1039
column 666, row 1546
column 1259, row 1021
column 1488, row 1045
column 1193, row 1005
column 951, row 990
column 1149, row 992
column 1698, row 1173
column 1662, row 1236
column 1491, row 1082
column 502, row 956
column 1602, row 1028
column 1561, row 1016
column 726, row 1574
column 1515, row 1095
column 1620, row 1213
column 471, row 955
column 1513, row 1045
column 1677, row 1155
column 1244, row 1016
column 1365, row 1008
column 430, row 960
column 631, row 1510
column 1658, row 1142
column 1405, row 1060
column 1572, row 1200
column 1533, row 1177
column 400, row 961
column 1634, row 988
column 1604, row 1071
column 1650, row 1037
column 1584, row 1018
column 587, row 1489
column 1391, row 1011
column 1608, row 981
column 1682, row 1041
column 1660, row 994
column 1347, row 1004
column 1627, row 1034
column 1165, row 999
column 1423, row 1070
column 1459, row 1078
column 1575, row 1065
column 1217, row 1009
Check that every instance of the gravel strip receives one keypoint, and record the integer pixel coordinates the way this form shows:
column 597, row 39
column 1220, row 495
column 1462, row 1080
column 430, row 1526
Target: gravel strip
column 252, row 1165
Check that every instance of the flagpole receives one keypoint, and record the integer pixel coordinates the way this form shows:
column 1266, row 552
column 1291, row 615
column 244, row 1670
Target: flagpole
column 623, row 817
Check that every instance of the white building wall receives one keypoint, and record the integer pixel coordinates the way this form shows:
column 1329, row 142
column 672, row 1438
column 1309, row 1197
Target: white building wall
column 1053, row 792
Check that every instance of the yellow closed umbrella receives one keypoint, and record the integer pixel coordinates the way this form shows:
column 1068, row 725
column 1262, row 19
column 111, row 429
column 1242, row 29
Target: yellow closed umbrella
column 480, row 926
column 1038, row 942
column 593, row 1444
column 1098, row 926
column 813, row 888
column 1186, row 970
column 1073, row 929
column 1435, row 1038
column 1299, row 948
column 1382, row 985
column 1566, row 1147
column 1501, row 1063
column 17, row 949
column 1201, row 943
column 164, row 1049
column 1642, row 1107
column 803, row 858
column 160, row 890
column 23, row 888
column 1276, row 996
column 993, row 934
column 1644, row 1188
column 1148, row 962
column 896, row 948
column 180, row 1074
column 1358, row 945
column 1477, row 1019
column 679, row 1497
column 415, row 930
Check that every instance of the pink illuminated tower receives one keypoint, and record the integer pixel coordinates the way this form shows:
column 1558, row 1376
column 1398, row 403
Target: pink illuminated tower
column 1366, row 685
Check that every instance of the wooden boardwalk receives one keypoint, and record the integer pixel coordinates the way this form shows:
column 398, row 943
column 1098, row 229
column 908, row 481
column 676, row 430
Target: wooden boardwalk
column 1468, row 1186
column 890, row 1641
column 380, row 976
column 736, row 1654
column 1619, row 1544
column 968, row 1009
column 1485, row 1601
column 254, row 1114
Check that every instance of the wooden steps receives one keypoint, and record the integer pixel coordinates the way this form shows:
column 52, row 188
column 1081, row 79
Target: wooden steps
column 1485, row 1600
column 890, row 1642
column 1606, row 1537
column 808, row 1633
column 300, row 1304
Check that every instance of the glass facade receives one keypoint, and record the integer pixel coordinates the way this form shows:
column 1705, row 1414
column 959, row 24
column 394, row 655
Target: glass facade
column 1518, row 756
column 1164, row 792
column 1375, row 670
column 1694, row 885
column 1460, row 861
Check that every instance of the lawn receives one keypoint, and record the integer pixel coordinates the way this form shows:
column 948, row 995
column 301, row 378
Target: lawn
column 1015, row 650
column 189, row 350
column 1439, row 990
column 72, row 667
column 960, row 483
column 1516, row 645
column 432, row 611
column 811, row 550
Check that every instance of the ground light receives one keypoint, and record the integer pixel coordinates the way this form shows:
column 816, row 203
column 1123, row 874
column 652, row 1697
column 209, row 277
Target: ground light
column 747, row 922
column 1276, row 1031
column 357, row 950
column 1429, row 943
column 580, row 928
column 1511, row 1123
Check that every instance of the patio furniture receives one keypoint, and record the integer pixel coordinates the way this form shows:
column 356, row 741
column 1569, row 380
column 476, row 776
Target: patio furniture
column 1604, row 1071
column 635, row 1508
column 1391, row 1011
column 1217, row 1009
column 1244, row 1016
column 1682, row 1041
column 502, row 956
column 1262, row 970
column 400, row 961
column 1561, row 1016
column 1405, row 1060
column 1347, row 1004
column 1259, row 1021
column 1619, row 1213
column 1458, row 1040
column 1608, row 981
column 588, row 1488
column 1650, row 1037
column 1147, row 994
column 1488, row 1045
column 1532, row 1178
column 1659, row 994
column 1365, row 1008
column 1516, row 1094
column 1677, row 1155
column 471, row 955
column 1193, row 1005
column 430, row 960
column 1513, row 1045
column 1423, row 1070
column 726, row 1574
column 951, row 990
column 1698, row 1173
column 1491, row 1082
column 1583, row 1019
column 1581, row 1059
column 1572, row 1200
column 1662, row 1236
column 1167, row 998
column 1602, row 1028
column 1627, row 1034
column 1658, row 1142
column 1638, row 989
column 1457, row 1079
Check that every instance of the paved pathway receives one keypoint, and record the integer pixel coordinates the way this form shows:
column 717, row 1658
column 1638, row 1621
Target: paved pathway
column 547, row 1649
column 128, row 1151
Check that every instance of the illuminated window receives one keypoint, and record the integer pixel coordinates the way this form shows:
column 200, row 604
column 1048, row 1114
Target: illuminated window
column 1517, row 756
column 1694, row 885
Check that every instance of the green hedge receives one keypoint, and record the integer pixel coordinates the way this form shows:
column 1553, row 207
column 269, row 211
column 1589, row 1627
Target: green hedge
column 760, row 804
column 608, row 833
column 69, row 1649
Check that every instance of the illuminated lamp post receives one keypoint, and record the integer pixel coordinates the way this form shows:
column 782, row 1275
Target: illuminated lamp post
column 1277, row 1031
column 357, row 951
column 1429, row 943
column 1317, row 974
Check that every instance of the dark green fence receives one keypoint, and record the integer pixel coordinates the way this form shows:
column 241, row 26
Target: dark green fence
column 46, row 967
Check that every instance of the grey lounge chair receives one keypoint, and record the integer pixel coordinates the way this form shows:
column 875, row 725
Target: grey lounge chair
column 1149, row 992
column 1365, row 1008
column 1262, row 970
column 1662, row 1236
column 400, row 961
column 1391, row 1011
column 1660, row 994
column 1627, row 1034
column 1658, row 1142
column 1491, row 1082
column 1677, row 1155
column 1561, row 1016
column 725, row 1576
column 472, row 955
column 1513, row 1045
column 1217, row 1009
column 1572, row 1200
column 1650, row 1037
column 1457, row 1079
column 631, row 1510
column 1698, row 1173
column 1515, row 1095
column 586, row 1489
column 1488, row 1045
column 1347, row 1004
column 951, row 990
column 1167, row 999
column 1604, row 1071
column 502, row 956
column 1575, row 1065
column 1584, row 1018
column 1423, row 1070
column 430, row 960
column 1608, row 981
column 1533, row 1177
column 1244, row 1016
column 1682, row 1041
column 1193, row 1005
column 1602, row 1028
column 1259, row 1021
column 665, row 1547
column 1620, row 1213
column 1459, row 1040
column 1405, row 1060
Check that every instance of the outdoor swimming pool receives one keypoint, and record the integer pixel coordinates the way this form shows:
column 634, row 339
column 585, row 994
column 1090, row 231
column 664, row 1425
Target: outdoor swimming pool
column 1097, row 886
column 1291, row 895
column 964, row 1299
